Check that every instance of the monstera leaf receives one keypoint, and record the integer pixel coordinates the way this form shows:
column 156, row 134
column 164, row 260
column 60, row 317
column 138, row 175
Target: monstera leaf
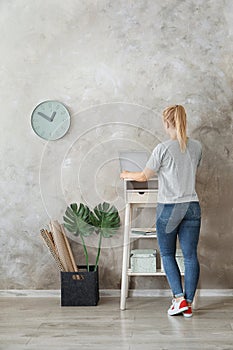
column 77, row 220
column 105, row 218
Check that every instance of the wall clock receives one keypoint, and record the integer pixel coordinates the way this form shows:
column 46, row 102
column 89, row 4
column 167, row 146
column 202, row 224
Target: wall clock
column 50, row 120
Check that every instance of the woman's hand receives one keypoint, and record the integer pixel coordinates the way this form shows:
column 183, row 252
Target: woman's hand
column 140, row 176
column 133, row 175
column 124, row 174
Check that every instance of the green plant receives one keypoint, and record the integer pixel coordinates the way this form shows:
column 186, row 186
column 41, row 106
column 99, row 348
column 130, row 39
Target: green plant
column 104, row 220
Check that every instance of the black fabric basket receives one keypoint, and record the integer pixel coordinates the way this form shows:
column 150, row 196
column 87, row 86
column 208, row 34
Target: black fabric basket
column 82, row 292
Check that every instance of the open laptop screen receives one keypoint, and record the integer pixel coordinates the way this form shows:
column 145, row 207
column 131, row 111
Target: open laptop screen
column 133, row 160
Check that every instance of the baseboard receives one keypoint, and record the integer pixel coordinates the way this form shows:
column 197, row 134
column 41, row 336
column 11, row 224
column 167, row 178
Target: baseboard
column 114, row 293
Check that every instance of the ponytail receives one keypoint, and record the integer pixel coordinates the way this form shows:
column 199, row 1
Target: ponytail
column 176, row 116
column 180, row 124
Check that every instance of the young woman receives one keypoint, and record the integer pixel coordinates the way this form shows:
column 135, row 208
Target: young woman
column 178, row 212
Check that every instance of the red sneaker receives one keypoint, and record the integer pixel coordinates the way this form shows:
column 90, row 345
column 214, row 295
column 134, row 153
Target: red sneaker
column 177, row 307
column 188, row 313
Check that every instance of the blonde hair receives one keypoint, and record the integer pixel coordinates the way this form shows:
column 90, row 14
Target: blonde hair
column 176, row 116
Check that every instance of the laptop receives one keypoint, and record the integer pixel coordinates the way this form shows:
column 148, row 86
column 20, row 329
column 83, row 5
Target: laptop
column 133, row 160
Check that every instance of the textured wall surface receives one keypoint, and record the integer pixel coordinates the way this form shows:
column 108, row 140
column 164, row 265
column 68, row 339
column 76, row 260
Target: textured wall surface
column 116, row 65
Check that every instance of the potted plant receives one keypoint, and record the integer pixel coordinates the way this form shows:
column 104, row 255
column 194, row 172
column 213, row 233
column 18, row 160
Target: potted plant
column 104, row 221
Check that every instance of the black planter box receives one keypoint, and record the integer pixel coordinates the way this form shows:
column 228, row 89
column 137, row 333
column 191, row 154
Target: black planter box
column 82, row 292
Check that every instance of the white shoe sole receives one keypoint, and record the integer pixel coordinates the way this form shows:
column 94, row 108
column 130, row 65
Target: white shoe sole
column 177, row 312
column 187, row 315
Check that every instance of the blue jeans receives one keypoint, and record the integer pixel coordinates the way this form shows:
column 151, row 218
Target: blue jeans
column 181, row 220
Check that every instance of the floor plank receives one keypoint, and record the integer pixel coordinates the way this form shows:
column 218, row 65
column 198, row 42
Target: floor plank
column 41, row 323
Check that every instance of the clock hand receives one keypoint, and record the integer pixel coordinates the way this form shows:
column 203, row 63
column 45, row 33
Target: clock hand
column 44, row 116
column 53, row 116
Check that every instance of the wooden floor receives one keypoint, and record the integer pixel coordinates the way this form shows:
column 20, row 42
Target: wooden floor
column 41, row 323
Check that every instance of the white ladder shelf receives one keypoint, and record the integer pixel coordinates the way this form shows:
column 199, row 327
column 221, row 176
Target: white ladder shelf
column 140, row 195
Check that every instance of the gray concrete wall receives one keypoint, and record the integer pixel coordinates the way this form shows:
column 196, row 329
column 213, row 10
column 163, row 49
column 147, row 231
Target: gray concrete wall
column 116, row 65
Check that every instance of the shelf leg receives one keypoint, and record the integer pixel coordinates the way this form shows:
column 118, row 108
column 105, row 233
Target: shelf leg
column 130, row 225
column 125, row 260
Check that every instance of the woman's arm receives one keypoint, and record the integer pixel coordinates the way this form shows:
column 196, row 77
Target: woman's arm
column 140, row 176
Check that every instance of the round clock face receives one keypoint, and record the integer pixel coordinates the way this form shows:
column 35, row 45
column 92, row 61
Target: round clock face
column 50, row 120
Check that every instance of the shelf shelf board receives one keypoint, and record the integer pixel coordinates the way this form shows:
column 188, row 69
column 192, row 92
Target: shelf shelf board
column 143, row 232
column 149, row 190
column 157, row 273
column 143, row 229
column 143, row 236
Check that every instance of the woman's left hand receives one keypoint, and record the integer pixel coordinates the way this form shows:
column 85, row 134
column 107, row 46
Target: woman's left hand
column 137, row 175
column 124, row 174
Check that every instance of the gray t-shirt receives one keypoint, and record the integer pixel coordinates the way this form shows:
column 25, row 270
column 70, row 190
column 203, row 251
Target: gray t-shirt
column 176, row 170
